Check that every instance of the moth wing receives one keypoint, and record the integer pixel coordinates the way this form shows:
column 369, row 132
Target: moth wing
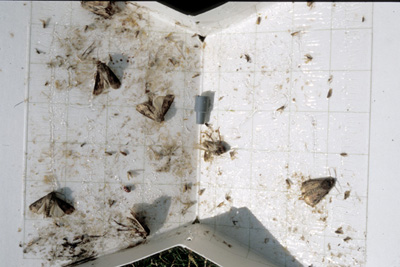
column 99, row 84
column 310, row 185
column 110, row 77
column 147, row 110
column 315, row 189
column 167, row 102
column 40, row 205
column 55, row 210
column 142, row 231
column 314, row 197
column 64, row 206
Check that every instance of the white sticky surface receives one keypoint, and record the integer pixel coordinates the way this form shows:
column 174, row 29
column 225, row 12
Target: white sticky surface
column 303, row 141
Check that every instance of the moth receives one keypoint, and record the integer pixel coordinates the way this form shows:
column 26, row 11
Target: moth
column 156, row 107
column 212, row 147
column 51, row 205
column 104, row 77
column 314, row 190
column 105, row 9
column 136, row 228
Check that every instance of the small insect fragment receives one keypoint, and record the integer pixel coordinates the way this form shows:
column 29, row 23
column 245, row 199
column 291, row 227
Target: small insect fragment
column 104, row 77
column 46, row 83
column 295, row 33
column 83, row 144
column 156, row 107
column 281, row 109
column 314, row 190
column 201, row 38
column 258, row 20
column 288, row 183
column 109, row 153
column 187, row 187
column 124, row 152
column 105, row 9
column 339, row 231
column 39, row 51
column 233, row 154
column 228, row 197
column 329, row 93
column 308, row 58
column 330, row 79
column 247, row 57
column 131, row 174
column 344, row 154
column 196, row 75
column 347, row 239
column 45, row 23
column 127, row 188
column 346, row 194
column 111, row 202
column 201, row 191
column 310, row 4
column 221, row 204
column 51, row 205
column 363, row 19
column 229, row 245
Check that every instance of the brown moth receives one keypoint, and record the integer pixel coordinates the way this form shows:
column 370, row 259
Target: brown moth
column 51, row 206
column 104, row 77
column 156, row 107
column 105, row 9
column 314, row 190
column 135, row 228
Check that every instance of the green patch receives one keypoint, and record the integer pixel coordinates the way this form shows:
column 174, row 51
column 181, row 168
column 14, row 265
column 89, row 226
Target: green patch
column 177, row 256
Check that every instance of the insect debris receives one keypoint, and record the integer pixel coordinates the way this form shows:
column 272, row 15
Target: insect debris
column 310, row 4
column 339, row 231
column 281, row 109
column 329, row 93
column 127, row 188
column 308, row 58
column 51, row 205
column 247, row 57
column 314, row 190
column 288, row 183
column 258, row 20
column 330, row 78
column 104, row 77
column 39, row 51
column 105, row 9
column 347, row 194
column 136, row 227
column 45, row 23
column 211, row 146
column 347, row 239
column 344, row 154
column 295, row 33
column 156, row 107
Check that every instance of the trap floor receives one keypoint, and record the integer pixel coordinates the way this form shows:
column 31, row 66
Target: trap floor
column 269, row 77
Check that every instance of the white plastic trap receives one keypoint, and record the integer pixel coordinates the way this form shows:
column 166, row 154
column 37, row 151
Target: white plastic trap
column 268, row 68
